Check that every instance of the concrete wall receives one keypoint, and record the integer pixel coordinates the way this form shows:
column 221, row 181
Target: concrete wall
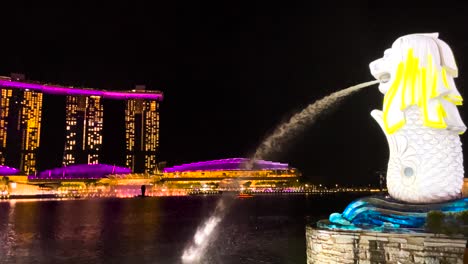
column 328, row 246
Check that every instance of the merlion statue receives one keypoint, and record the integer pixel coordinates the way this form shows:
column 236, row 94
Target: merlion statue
column 420, row 119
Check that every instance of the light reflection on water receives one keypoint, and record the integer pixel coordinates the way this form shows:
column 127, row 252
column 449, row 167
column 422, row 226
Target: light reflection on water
column 262, row 229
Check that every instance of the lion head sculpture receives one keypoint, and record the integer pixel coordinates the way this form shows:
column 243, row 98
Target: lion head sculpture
column 419, row 70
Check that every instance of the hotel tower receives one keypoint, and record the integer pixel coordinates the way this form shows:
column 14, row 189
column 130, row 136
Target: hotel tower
column 142, row 133
column 83, row 129
column 20, row 127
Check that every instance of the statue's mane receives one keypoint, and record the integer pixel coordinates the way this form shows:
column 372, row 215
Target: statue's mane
column 424, row 77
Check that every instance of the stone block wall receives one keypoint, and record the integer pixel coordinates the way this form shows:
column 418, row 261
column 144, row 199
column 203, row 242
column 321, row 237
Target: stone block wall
column 332, row 246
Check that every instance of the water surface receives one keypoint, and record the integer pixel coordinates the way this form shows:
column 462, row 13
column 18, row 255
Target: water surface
column 262, row 229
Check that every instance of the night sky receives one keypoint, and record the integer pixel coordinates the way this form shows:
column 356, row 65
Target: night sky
column 229, row 72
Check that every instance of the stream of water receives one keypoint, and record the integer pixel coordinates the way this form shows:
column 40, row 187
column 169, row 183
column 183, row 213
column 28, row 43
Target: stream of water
column 273, row 143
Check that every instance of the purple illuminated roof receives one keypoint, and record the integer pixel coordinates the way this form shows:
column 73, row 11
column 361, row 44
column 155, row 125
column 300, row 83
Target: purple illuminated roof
column 228, row 164
column 56, row 89
column 81, row 171
column 5, row 170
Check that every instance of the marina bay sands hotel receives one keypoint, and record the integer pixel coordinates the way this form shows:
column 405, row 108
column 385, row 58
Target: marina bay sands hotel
column 21, row 115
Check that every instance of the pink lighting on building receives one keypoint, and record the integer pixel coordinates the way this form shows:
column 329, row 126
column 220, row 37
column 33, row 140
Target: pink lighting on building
column 55, row 89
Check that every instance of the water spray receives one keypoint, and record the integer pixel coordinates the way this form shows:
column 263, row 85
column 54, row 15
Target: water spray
column 205, row 232
column 299, row 121
column 200, row 240
column 273, row 143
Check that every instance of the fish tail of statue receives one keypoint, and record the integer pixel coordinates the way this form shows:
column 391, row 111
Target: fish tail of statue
column 425, row 164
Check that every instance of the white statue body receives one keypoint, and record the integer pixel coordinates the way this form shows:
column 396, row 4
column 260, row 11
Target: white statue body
column 420, row 119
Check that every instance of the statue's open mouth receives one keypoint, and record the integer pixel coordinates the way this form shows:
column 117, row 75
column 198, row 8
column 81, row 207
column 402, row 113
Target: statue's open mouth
column 384, row 78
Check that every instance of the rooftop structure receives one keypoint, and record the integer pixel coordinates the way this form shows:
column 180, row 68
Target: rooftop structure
column 81, row 171
column 228, row 164
column 63, row 90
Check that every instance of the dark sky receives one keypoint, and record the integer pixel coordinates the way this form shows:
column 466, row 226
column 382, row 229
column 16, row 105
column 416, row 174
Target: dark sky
column 230, row 73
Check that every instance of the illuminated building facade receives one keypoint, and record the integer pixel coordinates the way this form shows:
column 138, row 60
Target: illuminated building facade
column 5, row 95
column 231, row 171
column 84, row 119
column 30, row 127
column 20, row 124
column 20, row 128
column 142, row 134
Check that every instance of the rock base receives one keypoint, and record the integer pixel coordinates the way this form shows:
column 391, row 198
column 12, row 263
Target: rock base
column 341, row 246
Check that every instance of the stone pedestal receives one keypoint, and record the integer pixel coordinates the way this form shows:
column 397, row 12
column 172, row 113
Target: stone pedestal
column 338, row 246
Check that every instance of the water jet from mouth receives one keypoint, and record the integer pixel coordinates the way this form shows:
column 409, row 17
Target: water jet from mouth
column 299, row 121
column 195, row 251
